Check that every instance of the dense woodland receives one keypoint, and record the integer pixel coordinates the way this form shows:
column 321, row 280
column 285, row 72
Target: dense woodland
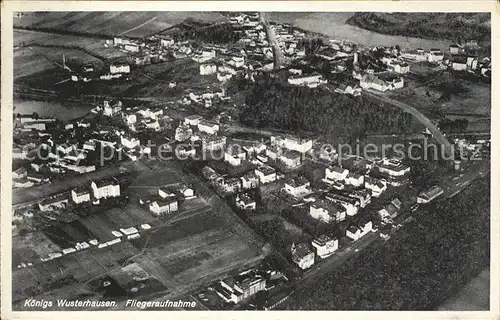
column 453, row 26
column 420, row 267
column 271, row 103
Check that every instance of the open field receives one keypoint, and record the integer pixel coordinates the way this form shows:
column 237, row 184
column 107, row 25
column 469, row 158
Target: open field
column 442, row 94
column 473, row 297
column 132, row 24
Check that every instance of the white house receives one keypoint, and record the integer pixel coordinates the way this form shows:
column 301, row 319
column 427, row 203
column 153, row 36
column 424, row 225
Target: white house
column 163, row 206
column 355, row 179
column 208, row 69
column 302, row 255
column 327, row 211
column 266, row 174
column 53, row 203
column 105, row 188
column 376, row 186
column 392, row 167
column 112, row 107
column 208, row 127
column 193, row 120
column 129, row 141
column 335, row 173
column 325, row 246
column 167, row 42
column 293, row 143
column 119, row 68
column 291, row 158
column 234, row 155
column 355, row 232
column 80, row 195
column 297, row 186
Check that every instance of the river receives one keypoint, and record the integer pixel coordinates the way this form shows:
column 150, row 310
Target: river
column 63, row 111
column 333, row 25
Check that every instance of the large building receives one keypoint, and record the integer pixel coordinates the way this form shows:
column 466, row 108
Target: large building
column 376, row 186
column 235, row 289
column 289, row 142
column 80, row 195
column 266, row 174
column 119, row 68
column 429, row 194
column 163, row 206
column 355, row 232
column 302, row 255
column 325, row 246
column 297, row 186
column 327, row 211
column 208, row 127
column 335, row 173
column 392, row 167
column 105, row 189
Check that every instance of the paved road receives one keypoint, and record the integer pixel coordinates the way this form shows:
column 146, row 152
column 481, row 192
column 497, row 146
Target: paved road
column 438, row 136
column 271, row 37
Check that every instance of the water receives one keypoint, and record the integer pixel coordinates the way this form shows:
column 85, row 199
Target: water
column 333, row 25
column 62, row 111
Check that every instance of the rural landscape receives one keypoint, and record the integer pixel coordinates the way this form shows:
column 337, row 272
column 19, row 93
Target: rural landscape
column 251, row 161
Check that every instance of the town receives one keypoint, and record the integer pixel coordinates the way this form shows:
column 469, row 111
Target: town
column 172, row 195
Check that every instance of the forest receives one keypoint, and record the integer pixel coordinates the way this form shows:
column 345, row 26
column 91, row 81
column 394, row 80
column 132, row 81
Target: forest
column 452, row 26
column 272, row 103
column 421, row 266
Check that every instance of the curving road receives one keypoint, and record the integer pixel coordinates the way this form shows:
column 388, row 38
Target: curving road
column 437, row 135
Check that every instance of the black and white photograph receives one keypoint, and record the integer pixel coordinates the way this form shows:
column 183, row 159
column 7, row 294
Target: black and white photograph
column 250, row 160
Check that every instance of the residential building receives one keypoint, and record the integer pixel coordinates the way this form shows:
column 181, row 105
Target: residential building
column 302, row 255
column 335, row 173
column 364, row 196
column 207, row 69
column 245, row 202
column 325, row 246
column 54, row 203
column 161, row 207
column 119, row 68
column 293, row 143
column 327, row 211
column 376, row 186
column 19, row 173
column 249, row 180
column 430, row 194
column 291, row 158
column 166, row 192
column 266, row 174
column 208, row 127
column 351, row 205
column 105, row 188
column 183, row 133
column 455, row 49
column 369, row 81
column 212, row 142
column 112, row 107
column 234, row 155
column 459, row 63
column 132, row 47
column 392, row 167
column 355, row 232
column 167, row 42
column 231, row 185
column 193, row 120
column 80, row 195
column 129, row 142
column 355, row 179
column 243, row 286
column 389, row 211
column 297, row 186
column 311, row 80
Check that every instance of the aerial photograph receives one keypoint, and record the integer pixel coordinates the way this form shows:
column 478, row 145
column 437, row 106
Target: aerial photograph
column 223, row 160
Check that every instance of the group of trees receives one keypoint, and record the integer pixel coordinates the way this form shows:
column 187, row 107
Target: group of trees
column 270, row 103
column 425, row 25
column 453, row 126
